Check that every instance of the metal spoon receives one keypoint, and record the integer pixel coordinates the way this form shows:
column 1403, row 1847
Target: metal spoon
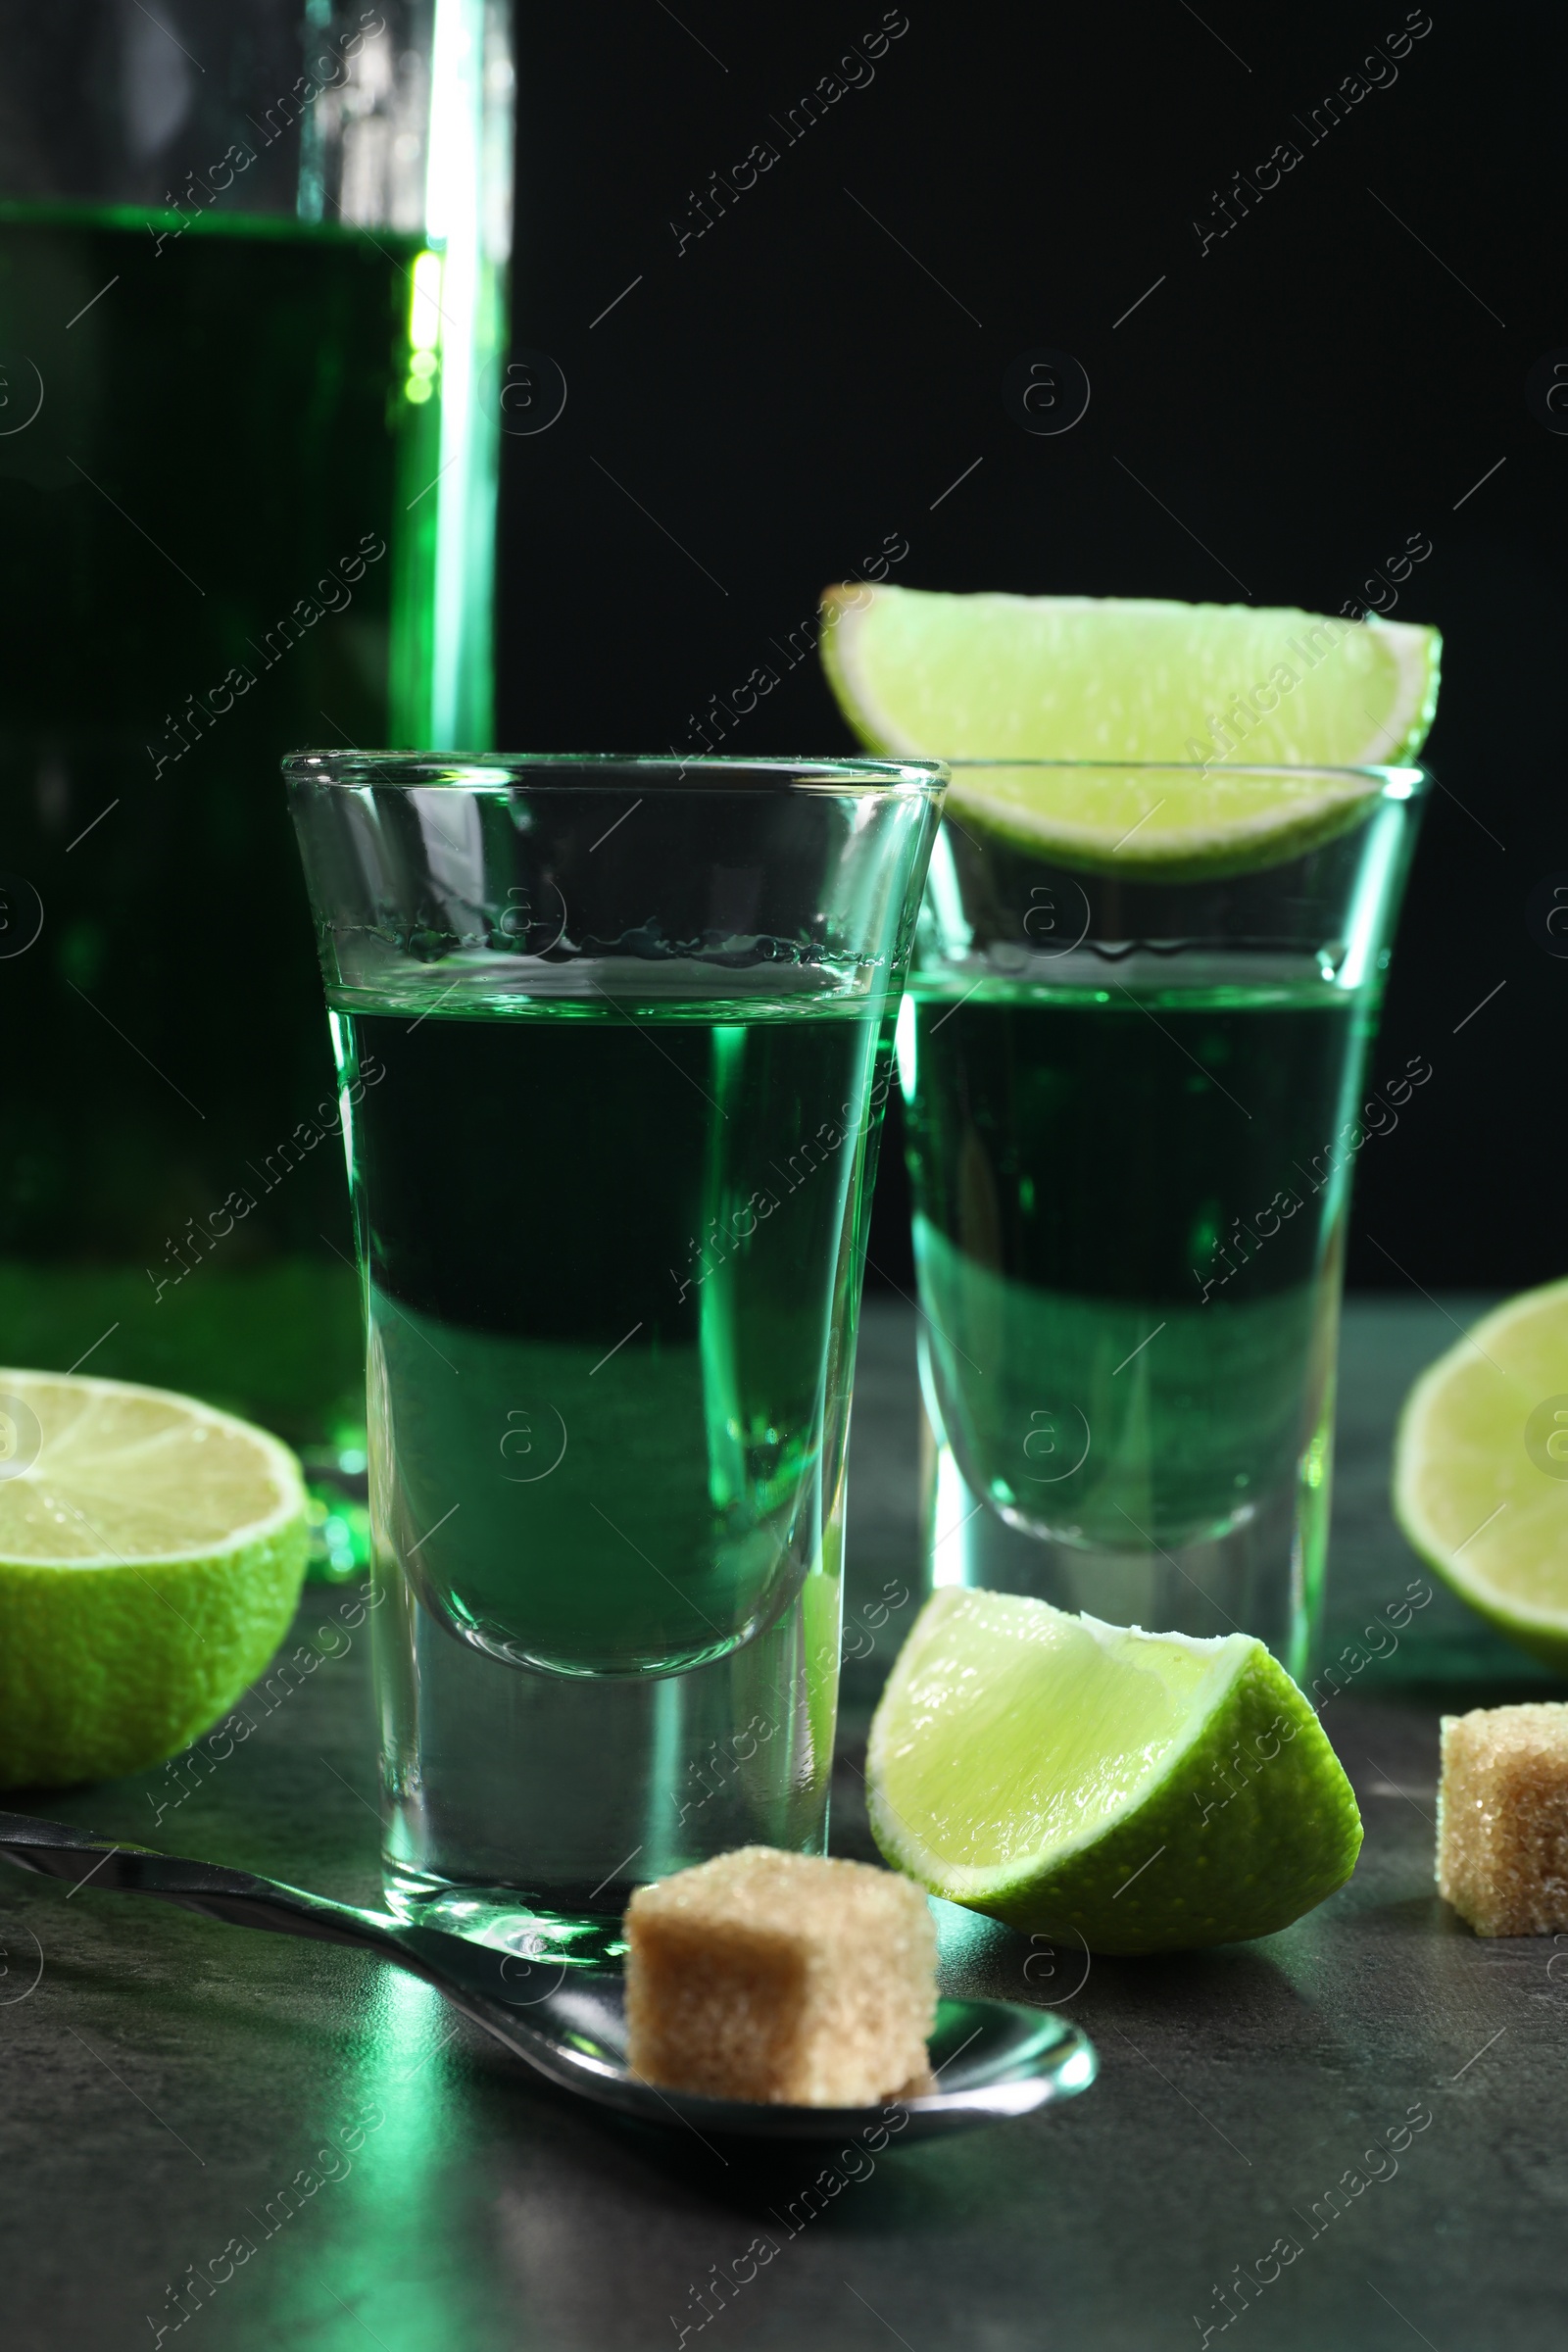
column 991, row 2059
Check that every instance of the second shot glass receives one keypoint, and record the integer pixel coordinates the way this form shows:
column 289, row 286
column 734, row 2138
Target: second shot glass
column 1133, row 1108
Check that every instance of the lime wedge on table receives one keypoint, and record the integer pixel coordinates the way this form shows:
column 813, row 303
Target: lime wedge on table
column 151, row 1556
column 1222, row 687
column 1144, row 1791
column 1481, row 1469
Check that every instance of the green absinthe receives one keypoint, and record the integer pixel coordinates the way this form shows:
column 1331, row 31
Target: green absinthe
column 1129, row 1199
column 221, row 543
column 611, row 1284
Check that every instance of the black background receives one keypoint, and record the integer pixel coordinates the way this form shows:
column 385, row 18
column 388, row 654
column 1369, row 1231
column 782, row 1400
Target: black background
column 764, row 407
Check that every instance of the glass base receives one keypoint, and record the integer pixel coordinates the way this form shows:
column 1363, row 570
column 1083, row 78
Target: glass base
column 1263, row 1576
column 523, row 1809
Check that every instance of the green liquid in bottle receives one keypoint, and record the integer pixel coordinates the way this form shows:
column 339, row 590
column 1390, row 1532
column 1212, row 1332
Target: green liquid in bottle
column 220, row 540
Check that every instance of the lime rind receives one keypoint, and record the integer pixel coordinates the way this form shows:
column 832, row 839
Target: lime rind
column 1235, row 1828
column 138, row 1664
column 1149, row 1884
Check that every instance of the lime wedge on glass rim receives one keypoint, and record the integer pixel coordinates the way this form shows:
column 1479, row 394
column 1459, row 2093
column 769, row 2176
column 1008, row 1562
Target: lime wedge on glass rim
column 1197, row 698
column 151, row 1556
column 1481, row 1470
column 1142, row 1793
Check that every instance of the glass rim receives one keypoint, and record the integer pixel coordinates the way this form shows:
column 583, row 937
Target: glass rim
column 1400, row 781
column 609, row 772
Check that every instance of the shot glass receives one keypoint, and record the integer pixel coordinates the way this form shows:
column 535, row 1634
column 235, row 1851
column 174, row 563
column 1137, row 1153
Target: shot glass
column 1133, row 1107
column 613, row 1038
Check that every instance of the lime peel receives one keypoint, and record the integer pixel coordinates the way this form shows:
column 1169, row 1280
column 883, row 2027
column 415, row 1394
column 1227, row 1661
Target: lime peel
column 1143, row 1792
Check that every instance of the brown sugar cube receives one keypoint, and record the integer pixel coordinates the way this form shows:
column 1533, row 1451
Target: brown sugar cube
column 780, row 1978
column 1502, row 1818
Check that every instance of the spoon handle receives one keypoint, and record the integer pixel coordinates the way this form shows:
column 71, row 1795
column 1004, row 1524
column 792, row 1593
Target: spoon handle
column 56, row 1850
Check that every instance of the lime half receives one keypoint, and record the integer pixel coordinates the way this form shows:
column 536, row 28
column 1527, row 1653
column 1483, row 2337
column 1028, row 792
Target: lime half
column 1188, row 691
column 151, row 1556
column 1144, row 1791
column 1481, row 1470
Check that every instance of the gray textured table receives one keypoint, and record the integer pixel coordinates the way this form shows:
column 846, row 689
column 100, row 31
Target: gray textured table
column 167, row 2079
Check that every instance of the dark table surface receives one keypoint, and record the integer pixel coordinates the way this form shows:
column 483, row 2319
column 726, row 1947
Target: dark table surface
column 165, row 2079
